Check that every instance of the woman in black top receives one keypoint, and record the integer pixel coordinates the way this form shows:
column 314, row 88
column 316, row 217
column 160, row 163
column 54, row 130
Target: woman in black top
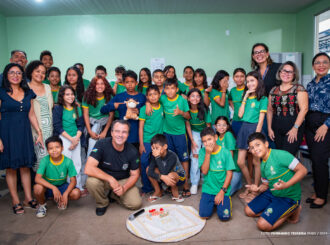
column 287, row 108
column 261, row 61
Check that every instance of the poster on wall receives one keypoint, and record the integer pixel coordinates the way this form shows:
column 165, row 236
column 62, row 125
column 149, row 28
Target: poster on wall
column 157, row 63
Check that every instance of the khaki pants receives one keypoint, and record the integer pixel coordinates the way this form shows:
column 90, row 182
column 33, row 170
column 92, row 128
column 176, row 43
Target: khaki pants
column 100, row 188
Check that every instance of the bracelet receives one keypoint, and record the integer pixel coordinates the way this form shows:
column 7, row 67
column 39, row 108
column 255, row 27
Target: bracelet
column 295, row 126
column 244, row 102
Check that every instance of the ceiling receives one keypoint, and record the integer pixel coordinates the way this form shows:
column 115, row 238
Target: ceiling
column 90, row 7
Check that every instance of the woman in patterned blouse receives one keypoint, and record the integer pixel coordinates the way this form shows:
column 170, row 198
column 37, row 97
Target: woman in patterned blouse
column 287, row 108
column 317, row 133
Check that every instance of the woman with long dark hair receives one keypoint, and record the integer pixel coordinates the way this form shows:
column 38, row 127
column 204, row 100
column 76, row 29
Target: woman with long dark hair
column 16, row 143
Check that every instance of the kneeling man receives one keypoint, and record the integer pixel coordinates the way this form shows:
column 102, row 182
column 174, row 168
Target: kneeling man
column 113, row 165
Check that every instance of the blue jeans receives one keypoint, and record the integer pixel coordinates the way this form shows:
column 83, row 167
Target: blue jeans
column 194, row 169
column 146, row 185
column 236, row 182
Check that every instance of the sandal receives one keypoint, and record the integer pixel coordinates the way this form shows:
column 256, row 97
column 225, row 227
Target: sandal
column 31, row 204
column 18, row 209
column 186, row 193
column 152, row 199
column 178, row 199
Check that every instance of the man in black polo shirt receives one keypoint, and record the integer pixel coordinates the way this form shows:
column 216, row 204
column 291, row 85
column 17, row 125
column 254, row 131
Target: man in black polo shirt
column 113, row 165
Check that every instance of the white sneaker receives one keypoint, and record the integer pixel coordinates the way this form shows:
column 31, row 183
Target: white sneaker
column 193, row 189
column 41, row 211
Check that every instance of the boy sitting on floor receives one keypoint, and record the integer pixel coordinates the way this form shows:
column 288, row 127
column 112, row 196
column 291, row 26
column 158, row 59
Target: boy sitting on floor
column 217, row 165
column 165, row 169
column 280, row 190
column 51, row 178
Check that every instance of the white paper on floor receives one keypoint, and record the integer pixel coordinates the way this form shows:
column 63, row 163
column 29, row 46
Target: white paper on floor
column 166, row 223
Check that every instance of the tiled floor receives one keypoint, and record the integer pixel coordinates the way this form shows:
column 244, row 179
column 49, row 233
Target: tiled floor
column 79, row 225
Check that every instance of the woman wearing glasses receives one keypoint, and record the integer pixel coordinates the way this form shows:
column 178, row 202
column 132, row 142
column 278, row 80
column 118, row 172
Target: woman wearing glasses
column 16, row 144
column 317, row 129
column 261, row 61
column 287, row 108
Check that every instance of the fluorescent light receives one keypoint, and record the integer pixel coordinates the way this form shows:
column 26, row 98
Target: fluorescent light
column 39, row 1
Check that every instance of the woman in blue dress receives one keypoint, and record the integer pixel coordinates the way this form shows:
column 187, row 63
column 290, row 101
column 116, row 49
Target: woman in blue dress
column 16, row 143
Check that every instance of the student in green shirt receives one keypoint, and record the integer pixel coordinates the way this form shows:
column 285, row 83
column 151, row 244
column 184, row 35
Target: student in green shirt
column 149, row 126
column 281, row 172
column 97, row 124
column 236, row 96
column 69, row 125
column 217, row 165
column 118, row 86
column 54, row 78
column 51, row 178
column 188, row 74
column 200, row 82
column 144, row 80
column 227, row 140
column 252, row 111
column 74, row 78
column 158, row 78
column 218, row 95
column 200, row 119
column 176, row 111
column 86, row 82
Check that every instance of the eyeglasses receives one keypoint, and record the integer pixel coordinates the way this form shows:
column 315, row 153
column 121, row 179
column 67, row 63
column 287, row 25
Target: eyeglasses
column 287, row 72
column 318, row 63
column 259, row 52
column 12, row 73
column 220, row 125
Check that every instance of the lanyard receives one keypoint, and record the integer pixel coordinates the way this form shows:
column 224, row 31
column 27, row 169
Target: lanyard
column 265, row 73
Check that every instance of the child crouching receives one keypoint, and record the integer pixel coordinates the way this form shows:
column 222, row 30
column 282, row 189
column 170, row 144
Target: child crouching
column 165, row 169
column 51, row 178
column 217, row 165
column 280, row 195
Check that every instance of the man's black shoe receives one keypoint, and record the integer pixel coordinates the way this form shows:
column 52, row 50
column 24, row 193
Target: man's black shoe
column 101, row 211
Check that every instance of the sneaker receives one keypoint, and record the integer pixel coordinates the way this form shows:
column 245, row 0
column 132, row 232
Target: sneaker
column 41, row 211
column 193, row 189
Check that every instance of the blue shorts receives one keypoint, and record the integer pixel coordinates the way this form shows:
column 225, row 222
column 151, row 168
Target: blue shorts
column 62, row 188
column 206, row 206
column 236, row 126
column 178, row 144
column 272, row 207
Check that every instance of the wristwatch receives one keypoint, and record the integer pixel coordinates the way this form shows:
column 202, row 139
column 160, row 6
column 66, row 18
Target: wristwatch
column 224, row 189
column 296, row 126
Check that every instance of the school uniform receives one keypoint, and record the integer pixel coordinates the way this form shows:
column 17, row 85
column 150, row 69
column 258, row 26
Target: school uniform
column 216, row 109
column 174, row 126
column 153, row 124
column 220, row 162
column 228, row 141
column 197, row 127
column 275, row 204
column 66, row 120
column 236, row 96
column 253, row 108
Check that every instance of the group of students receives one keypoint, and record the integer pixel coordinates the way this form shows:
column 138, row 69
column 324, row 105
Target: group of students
column 172, row 116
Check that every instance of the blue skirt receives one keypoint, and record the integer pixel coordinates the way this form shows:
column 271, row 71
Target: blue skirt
column 245, row 131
